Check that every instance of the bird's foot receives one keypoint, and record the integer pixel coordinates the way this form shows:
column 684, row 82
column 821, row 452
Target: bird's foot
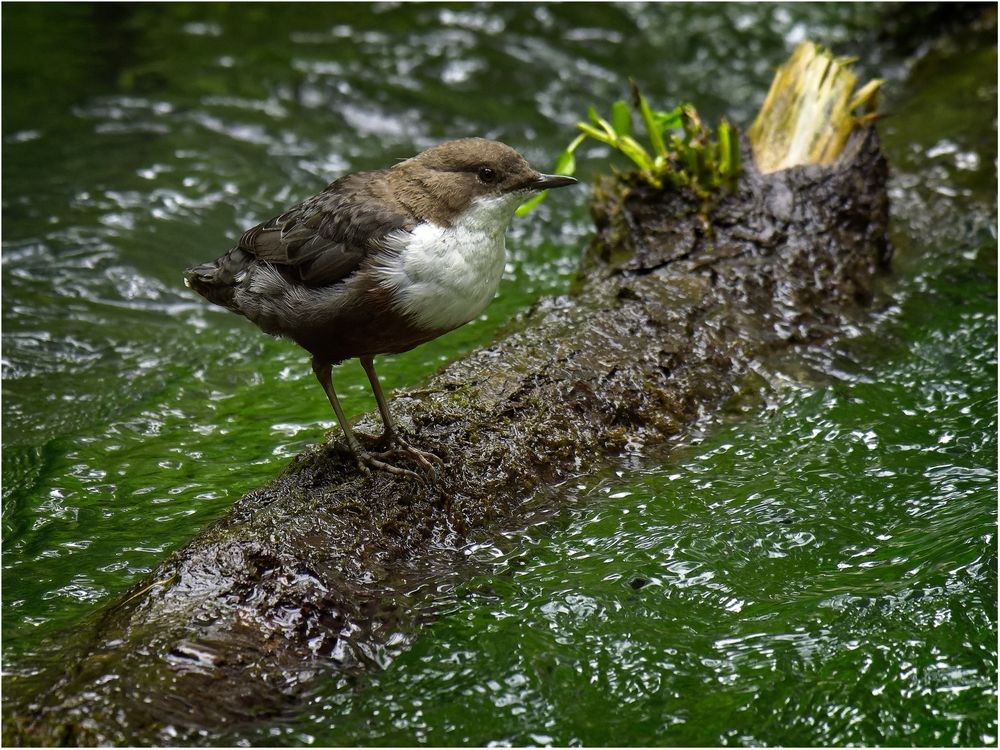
column 367, row 462
column 427, row 461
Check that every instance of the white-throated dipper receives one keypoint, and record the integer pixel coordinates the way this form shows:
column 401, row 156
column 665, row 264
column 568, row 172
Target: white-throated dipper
column 378, row 263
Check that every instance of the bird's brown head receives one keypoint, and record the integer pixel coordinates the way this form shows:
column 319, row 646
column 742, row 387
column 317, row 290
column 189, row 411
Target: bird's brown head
column 446, row 180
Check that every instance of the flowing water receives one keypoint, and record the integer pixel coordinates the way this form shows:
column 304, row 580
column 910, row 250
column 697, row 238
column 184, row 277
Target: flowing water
column 818, row 567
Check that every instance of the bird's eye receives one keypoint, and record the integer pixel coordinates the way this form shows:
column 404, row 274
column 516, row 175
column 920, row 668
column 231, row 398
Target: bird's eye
column 487, row 175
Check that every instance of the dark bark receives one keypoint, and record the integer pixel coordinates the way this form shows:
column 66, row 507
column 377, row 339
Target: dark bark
column 325, row 571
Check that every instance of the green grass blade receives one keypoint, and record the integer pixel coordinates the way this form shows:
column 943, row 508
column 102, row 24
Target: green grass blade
column 566, row 163
column 652, row 129
column 525, row 208
column 576, row 143
column 735, row 157
column 669, row 120
column 597, row 134
column 634, row 151
column 621, row 118
column 725, row 149
column 602, row 123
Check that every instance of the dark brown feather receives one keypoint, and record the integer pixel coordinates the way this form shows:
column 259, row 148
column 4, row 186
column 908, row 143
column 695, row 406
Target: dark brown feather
column 326, row 237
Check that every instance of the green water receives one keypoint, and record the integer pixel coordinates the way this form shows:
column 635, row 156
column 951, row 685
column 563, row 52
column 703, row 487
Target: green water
column 818, row 567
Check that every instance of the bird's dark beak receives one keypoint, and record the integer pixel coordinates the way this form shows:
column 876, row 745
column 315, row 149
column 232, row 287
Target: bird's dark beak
column 548, row 181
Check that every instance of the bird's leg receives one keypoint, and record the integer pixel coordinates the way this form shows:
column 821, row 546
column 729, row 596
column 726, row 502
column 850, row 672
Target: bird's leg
column 365, row 460
column 391, row 435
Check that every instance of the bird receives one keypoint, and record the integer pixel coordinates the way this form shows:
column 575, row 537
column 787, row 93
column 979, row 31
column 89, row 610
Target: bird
column 380, row 262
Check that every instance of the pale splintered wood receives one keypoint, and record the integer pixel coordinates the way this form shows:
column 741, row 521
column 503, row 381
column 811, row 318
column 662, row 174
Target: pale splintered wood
column 810, row 110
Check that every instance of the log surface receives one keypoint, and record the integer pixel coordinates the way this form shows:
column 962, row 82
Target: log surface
column 325, row 572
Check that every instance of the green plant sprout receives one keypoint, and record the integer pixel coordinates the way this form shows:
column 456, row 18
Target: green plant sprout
column 681, row 151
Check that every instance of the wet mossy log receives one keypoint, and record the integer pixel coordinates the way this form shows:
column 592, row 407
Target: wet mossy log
column 325, row 572
column 324, row 569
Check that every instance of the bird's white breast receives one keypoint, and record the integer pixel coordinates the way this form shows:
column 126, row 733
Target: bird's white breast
column 443, row 277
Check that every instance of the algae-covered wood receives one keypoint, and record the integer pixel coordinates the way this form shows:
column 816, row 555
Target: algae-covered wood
column 325, row 571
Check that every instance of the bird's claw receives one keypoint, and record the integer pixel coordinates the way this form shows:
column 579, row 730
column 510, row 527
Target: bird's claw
column 399, row 448
column 367, row 461
column 425, row 458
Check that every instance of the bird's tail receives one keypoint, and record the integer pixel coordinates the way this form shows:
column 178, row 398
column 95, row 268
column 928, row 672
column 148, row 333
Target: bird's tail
column 216, row 280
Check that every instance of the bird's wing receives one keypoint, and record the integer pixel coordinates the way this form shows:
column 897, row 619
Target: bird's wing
column 325, row 238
